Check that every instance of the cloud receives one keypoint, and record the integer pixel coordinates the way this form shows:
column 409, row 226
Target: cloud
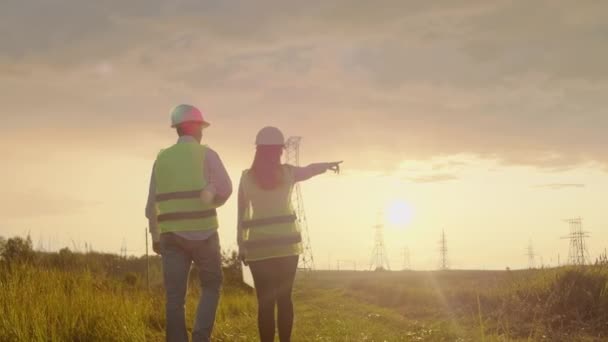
column 41, row 203
column 434, row 178
column 560, row 186
column 374, row 84
column 447, row 165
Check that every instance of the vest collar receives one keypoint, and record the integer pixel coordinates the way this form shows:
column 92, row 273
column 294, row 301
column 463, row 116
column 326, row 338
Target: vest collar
column 186, row 139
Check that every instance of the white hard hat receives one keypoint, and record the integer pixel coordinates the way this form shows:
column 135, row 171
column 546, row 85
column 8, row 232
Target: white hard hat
column 187, row 113
column 270, row 136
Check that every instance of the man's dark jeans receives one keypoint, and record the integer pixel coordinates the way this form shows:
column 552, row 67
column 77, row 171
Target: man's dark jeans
column 178, row 254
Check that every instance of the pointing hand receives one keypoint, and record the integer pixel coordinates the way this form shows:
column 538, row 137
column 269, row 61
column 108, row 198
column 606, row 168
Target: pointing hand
column 335, row 166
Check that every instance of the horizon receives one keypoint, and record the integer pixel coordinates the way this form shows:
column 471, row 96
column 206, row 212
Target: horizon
column 478, row 119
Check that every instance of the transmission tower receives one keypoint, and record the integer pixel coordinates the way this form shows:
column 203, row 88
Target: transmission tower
column 406, row 258
column 292, row 148
column 123, row 249
column 443, row 251
column 76, row 246
column 578, row 254
column 531, row 256
column 379, row 260
column 40, row 245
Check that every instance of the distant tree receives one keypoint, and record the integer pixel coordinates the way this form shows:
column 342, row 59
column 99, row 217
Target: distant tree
column 2, row 244
column 231, row 260
column 18, row 250
column 65, row 258
column 232, row 269
column 131, row 279
column 65, row 251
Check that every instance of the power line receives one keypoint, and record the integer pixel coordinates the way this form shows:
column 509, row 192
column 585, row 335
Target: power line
column 406, row 258
column 346, row 262
column 443, row 251
column 292, row 148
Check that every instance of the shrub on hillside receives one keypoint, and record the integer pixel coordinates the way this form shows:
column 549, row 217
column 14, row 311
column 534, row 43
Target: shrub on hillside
column 131, row 279
column 18, row 250
column 231, row 265
column 2, row 245
column 561, row 300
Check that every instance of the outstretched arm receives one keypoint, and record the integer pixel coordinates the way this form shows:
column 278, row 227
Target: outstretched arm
column 307, row 172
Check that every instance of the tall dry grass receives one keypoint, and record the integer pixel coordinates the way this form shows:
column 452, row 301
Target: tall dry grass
column 564, row 303
column 39, row 304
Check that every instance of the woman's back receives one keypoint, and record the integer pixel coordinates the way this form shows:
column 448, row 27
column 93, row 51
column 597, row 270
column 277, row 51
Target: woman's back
column 268, row 203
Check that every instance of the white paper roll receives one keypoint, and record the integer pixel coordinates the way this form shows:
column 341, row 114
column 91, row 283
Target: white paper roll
column 247, row 276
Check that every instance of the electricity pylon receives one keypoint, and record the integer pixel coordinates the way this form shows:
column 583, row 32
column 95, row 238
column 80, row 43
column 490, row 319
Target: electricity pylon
column 379, row 260
column 292, row 148
column 578, row 254
column 531, row 256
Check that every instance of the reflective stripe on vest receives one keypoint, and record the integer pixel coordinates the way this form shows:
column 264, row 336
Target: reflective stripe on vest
column 269, row 220
column 186, row 215
column 275, row 241
column 178, row 195
column 270, row 227
column 179, row 178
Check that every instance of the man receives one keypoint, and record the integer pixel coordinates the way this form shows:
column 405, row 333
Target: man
column 188, row 183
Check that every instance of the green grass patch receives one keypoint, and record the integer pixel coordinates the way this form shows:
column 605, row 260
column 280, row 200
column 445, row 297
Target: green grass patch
column 39, row 303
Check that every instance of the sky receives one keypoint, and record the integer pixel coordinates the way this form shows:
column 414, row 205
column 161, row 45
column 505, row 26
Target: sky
column 484, row 119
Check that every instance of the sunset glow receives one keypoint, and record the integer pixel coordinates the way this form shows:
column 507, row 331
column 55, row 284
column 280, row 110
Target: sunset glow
column 474, row 118
column 399, row 214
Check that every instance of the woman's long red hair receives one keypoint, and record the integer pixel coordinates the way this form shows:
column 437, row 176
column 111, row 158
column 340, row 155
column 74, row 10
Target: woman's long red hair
column 266, row 168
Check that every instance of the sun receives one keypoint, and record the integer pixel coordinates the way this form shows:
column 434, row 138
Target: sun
column 399, row 213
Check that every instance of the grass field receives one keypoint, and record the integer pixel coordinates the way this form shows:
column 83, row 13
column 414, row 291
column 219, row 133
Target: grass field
column 42, row 303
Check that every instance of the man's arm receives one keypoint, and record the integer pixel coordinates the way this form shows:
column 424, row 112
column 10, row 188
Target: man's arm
column 151, row 210
column 218, row 182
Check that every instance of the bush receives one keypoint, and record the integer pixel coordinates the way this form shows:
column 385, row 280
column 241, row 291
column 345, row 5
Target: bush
column 232, row 268
column 2, row 245
column 131, row 279
column 18, row 250
column 567, row 298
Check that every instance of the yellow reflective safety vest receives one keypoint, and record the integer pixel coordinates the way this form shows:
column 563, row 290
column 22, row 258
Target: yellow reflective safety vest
column 270, row 228
column 178, row 174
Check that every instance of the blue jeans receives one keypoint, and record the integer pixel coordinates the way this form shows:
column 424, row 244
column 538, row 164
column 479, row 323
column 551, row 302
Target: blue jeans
column 178, row 254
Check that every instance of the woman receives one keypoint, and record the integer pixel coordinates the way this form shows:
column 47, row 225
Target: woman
column 268, row 235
